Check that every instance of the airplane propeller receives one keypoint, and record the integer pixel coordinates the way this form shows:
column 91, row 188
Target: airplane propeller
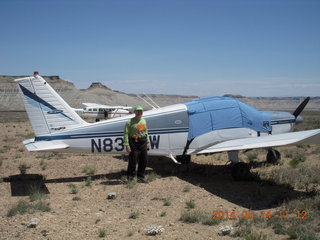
column 300, row 108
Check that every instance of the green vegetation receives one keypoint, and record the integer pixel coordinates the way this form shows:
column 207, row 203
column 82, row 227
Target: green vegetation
column 296, row 159
column 152, row 176
column 23, row 168
column 301, row 232
column 73, row 189
column 196, row 216
column 43, row 165
column 190, row 204
column 163, row 214
column 166, row 202
column 255, row 236
column 102, row 233
column 24, row 207
column 186, row 188
column 36, row 194
column 88, row 170
column 134, row 215
column 131, row 183
column 251, row 156
column 88, row 182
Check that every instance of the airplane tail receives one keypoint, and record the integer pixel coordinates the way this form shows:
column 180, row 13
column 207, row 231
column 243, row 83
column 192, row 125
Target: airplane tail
column 47, row 111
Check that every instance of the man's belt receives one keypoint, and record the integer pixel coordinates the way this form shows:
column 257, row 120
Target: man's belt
column 138, row 139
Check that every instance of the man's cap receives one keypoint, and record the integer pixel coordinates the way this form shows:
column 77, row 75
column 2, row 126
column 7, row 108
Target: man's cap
column 138, row 108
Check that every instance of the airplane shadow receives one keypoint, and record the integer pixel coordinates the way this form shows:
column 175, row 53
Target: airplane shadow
column 255, row 194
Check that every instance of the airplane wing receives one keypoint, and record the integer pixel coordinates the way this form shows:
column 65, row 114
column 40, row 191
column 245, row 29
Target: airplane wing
column 293, row 138
column 95, row 105
column 32, row 145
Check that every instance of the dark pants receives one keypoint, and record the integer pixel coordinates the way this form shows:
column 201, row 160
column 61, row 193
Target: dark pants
column 138, row 155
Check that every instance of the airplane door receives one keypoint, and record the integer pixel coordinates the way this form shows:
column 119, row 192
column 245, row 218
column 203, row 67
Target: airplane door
column 159, row 144
column 177, row 143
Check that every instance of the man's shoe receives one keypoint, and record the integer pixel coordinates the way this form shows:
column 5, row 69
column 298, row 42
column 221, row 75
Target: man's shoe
column 130, row 178
column 142, row 180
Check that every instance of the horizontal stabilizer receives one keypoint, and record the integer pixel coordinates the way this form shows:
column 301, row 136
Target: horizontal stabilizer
column 33, row 146
column 293, row 138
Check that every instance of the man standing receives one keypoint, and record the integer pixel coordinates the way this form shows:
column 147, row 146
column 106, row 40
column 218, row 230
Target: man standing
column 136, row 141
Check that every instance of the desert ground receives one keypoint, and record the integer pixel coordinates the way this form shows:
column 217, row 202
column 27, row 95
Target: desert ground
column 279, row 202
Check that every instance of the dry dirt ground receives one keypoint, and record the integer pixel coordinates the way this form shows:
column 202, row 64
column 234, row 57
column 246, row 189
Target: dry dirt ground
column 87, row 213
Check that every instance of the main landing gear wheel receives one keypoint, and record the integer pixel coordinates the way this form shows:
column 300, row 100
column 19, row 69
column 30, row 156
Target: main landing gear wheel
column 240, row 171
column 273, row 156
column 184, row 159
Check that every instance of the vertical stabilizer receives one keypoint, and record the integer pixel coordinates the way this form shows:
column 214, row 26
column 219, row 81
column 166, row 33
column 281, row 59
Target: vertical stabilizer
column 47, row 111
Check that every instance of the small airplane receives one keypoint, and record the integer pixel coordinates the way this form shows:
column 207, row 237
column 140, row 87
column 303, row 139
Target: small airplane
column 201, row 126
column 100, row 111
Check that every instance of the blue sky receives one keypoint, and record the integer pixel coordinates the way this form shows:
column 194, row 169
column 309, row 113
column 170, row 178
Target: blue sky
column 191, row 47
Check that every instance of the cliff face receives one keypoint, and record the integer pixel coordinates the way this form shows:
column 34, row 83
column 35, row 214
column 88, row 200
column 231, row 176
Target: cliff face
column 10, row 99
column 9, row 94
column 98, row 93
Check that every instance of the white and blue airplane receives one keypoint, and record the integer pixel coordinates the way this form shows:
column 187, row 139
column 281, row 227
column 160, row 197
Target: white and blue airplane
column 201, row 126
column 101, row 111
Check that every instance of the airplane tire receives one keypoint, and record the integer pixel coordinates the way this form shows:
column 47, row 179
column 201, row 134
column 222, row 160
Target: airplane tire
column 240, row 171
column 271, row 158
column 184, row 159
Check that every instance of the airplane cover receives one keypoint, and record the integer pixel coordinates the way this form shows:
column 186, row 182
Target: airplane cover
column 208, row 114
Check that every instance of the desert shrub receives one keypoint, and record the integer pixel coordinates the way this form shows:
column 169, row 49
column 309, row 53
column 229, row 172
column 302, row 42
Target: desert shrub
column 210, row 222
column 21, row 208
column 251, row 156
column 88, row 182
column 301, row 232
column 102, row 233
column 42, row 206
column 296, row 159
column 152, row 176
column 192, row 217
column 187, row 188
column 43, row 165
column 131, row 183
column 73, row 189
column 243, row 228
column 310, row 204
column 196, row 216
column 288, row 153
column 302, row 176
column 279, row 228
column 88, row 170
column 36, row 194
column 130, row 234
column 255, row 236
column 190, row 204
column 163, row 214
column 166, row 202
column 134, row 215
column 23, row 168
column 24, row 207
